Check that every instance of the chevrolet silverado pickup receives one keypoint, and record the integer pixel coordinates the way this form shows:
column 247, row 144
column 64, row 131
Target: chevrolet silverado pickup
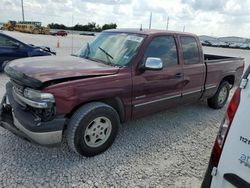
column 121, row 75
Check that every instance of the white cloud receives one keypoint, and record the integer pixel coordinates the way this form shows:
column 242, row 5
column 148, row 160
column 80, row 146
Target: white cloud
column 211, row 17
column 108, row 2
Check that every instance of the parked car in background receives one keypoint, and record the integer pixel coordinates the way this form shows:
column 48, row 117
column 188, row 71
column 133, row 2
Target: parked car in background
column 206, row 43
column 215, row 43
column 229, row 165
column 244, row 46
column 87, row 33
column 122, row 75
column 59, row 33
column 223, row 44
column 234, row 45
column 11, row 48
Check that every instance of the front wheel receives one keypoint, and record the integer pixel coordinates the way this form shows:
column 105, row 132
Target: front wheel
column 220, row 97
column 35, row 31
column 92, row 129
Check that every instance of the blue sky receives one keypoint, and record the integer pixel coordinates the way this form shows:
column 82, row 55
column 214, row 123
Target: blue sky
column 210, row 17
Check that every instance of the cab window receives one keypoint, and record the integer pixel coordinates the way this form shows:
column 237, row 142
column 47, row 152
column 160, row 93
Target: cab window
column 163, row 47
column 190, row 50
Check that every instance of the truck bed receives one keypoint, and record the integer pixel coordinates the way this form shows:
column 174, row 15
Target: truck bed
column 209, row 58
column 219, row 67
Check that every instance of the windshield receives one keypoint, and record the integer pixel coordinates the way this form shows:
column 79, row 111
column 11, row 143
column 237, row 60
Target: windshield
column 112, row 48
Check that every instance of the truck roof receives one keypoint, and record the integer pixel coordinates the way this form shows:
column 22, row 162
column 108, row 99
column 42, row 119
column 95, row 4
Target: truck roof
column 147, row 31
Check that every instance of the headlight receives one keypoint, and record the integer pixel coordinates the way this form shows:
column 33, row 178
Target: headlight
column 38, row 96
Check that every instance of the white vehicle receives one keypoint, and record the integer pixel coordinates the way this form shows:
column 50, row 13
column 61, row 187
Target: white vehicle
column 234, row 45
column 229, row 165
column 244, row 46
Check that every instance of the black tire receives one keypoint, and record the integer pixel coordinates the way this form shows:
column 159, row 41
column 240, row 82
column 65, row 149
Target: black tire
column 35, row 31
column 82, row 119
column 215, row 102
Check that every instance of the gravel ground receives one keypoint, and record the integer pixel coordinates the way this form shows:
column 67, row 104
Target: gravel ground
column 168, row 149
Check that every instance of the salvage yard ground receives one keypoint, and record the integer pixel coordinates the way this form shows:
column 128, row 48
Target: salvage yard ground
column 168, row 149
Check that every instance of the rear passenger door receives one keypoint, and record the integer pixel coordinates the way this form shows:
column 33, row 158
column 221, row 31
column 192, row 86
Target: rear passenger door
column 157, row 90
column 193, row 69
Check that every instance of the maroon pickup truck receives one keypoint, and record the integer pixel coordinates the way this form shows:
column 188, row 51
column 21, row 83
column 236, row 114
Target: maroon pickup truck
column 121, row 75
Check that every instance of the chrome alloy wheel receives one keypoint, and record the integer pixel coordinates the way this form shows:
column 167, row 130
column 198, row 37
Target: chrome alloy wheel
column 97, row 132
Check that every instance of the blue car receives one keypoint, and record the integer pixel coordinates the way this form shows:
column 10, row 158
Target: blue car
column 11, row 49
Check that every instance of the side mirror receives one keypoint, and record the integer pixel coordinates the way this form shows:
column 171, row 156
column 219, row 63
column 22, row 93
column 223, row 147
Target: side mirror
column 153, row 63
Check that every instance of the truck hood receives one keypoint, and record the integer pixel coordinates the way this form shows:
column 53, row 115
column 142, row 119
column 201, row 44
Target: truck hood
column 37, row 70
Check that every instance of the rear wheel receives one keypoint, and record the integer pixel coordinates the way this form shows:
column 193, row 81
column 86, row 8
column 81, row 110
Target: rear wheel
column 92, row 129
column 220, row 97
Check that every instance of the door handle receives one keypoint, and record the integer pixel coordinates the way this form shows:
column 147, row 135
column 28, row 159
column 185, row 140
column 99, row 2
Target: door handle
column 179, row 75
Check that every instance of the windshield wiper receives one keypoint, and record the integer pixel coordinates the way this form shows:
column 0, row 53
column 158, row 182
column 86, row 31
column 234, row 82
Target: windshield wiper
column 106, row 52
column 107, row 55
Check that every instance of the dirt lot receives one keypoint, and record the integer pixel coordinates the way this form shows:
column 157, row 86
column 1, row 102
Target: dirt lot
column 168, row 149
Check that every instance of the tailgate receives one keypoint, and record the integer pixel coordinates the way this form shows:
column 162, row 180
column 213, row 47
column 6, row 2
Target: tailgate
column 234, row 164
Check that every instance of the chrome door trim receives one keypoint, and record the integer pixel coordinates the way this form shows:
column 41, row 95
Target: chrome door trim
column 211, row 87
column 191, row 92
column 157, row 100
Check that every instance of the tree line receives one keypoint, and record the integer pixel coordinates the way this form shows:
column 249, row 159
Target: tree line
column 91, row 26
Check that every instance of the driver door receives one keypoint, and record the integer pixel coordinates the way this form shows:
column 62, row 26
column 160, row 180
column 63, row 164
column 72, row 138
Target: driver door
column 156, row 90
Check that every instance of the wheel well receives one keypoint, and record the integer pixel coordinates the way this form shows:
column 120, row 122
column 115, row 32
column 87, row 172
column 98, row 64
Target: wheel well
column 115, row 102
column 229, row 79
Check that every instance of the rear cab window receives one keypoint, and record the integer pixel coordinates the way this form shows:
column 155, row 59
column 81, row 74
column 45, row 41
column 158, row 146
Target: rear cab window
column 190, row 50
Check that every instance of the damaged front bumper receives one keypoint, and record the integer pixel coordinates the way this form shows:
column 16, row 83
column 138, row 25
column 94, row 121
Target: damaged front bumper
column 23, row 123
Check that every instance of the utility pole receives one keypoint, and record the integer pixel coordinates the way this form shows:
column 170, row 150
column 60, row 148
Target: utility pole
column 72, row 41
column 22, row 9
column 184, row 28
column 167, row 23
column 150, row 20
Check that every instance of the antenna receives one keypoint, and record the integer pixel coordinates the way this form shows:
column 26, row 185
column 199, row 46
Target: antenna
column 150, row 20
column 167, row 23
column 22, row 10
column 141, row 28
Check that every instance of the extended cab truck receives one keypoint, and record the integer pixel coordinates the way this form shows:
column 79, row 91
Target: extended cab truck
column 122, row 75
